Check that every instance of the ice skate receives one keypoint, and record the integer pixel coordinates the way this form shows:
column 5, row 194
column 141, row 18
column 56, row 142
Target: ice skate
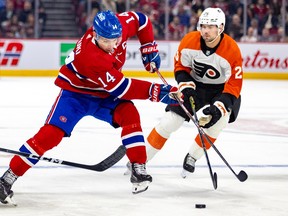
column 6, row 193
column 188, row 165
column 139, row 178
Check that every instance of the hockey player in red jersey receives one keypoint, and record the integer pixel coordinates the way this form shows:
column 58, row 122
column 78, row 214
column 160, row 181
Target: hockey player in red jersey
column 92, row 84
column 207, row 67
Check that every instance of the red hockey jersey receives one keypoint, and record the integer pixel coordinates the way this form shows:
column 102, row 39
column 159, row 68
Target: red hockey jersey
column 98, row 73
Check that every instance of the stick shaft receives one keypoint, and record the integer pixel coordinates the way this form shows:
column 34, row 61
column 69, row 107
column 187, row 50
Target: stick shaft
column 101, row 166
column 242, row 176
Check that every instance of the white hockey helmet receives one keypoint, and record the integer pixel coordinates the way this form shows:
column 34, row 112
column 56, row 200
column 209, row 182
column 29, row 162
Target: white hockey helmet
column 212, row 16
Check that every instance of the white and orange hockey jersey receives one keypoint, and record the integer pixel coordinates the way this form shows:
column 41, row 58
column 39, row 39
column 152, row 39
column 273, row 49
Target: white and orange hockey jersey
column 222, row 65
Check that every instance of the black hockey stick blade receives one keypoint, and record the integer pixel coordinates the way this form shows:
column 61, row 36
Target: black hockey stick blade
column 112, row 159
column 242, row 176
column 100, row 167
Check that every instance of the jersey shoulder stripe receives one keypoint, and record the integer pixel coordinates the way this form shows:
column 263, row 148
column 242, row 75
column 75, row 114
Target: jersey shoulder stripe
column 228, row 46
column 191, row 41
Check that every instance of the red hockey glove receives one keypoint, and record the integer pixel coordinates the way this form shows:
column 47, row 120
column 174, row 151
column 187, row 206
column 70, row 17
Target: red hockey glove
column 163, row 93
column 150, row 56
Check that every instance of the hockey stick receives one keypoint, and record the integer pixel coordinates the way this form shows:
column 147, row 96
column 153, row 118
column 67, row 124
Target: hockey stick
column 242, row 175
column 213, row 176
column 102, row 166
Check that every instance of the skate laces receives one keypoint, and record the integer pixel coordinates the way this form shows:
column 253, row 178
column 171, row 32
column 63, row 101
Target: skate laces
column 9, row 177
column 190, row 160
column 4, row 186
column 140, row 168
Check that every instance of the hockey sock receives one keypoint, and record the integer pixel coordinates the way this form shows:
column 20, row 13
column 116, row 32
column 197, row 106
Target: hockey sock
column 156, row 142
column 127, row 116
column 207, row 144
column 47, row 137
column 136, row 154
column 157, row 138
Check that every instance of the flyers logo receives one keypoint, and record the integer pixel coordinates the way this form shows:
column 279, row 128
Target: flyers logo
column 10, row 53
column 202, row 69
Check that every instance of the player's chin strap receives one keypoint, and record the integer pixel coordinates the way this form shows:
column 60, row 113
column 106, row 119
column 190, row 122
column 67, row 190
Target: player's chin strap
column 242, row 175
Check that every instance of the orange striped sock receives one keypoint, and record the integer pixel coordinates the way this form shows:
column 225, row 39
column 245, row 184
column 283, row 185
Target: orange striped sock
column 156, row 140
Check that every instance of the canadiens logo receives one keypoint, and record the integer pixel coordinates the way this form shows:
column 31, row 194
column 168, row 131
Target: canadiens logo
column 63, row 119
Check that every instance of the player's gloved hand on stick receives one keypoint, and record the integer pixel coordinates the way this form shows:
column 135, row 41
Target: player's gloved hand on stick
column 150, row 56
column 217, row 110
column 163, row 93
column 188, row 89
column 202, row 118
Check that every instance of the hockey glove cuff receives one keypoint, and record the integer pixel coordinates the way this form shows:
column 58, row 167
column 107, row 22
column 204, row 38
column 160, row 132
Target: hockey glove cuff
column 188, row 90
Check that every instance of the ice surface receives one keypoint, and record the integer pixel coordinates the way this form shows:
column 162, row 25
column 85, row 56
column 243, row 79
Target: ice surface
column 257, row 143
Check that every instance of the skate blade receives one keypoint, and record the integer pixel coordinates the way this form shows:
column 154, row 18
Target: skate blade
column 184, row 174
column 9, row 201
column 140, row 187
column 127, row 172
column 128, row 169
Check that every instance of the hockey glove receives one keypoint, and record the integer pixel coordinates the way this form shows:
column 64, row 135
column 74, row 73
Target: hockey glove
column 150, row 56
column 202, row 118
column 217, row 110
column 163, row 93
column 188, row 89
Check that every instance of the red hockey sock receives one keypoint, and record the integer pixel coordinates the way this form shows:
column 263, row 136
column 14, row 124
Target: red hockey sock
column 137, row 154
column 127, row 116
column 47, row 137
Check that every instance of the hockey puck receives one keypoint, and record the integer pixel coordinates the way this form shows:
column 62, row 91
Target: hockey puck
column 200, row 206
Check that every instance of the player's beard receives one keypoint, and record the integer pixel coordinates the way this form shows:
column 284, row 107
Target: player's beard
column 207, row 38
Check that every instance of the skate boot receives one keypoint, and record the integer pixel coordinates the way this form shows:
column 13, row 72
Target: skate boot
column 6, row 193
column 139, row 178
column 129, row 168
column 188, row 165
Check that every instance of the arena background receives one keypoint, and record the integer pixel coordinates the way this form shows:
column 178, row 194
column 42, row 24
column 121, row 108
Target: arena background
column 32, row 57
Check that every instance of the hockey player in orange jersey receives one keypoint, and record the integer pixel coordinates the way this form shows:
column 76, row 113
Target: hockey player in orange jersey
column 208, row 67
